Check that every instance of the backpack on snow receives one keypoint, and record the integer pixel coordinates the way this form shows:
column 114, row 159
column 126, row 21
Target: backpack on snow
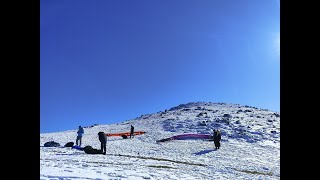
column 69, row 144
column 90, row 150
column 51, row 144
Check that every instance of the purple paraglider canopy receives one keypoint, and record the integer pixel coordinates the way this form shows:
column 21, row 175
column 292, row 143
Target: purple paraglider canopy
column 187, row 137
column 192, row 136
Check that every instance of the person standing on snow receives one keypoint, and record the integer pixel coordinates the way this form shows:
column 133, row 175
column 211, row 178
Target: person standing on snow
column 80, row 132
column 103, row 141
column 131, row 131
column 216, row 138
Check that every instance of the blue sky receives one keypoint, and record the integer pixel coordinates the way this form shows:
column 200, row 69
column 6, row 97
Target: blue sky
column 107, row 61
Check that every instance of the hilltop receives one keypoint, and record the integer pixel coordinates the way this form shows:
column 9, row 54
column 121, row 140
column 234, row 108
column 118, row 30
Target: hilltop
column 250, row 146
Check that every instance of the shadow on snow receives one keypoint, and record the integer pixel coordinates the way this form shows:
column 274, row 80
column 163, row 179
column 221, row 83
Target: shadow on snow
column 204, row 152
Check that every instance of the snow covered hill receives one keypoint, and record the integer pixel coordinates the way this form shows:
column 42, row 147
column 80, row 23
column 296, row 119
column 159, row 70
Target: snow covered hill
column 250, row 146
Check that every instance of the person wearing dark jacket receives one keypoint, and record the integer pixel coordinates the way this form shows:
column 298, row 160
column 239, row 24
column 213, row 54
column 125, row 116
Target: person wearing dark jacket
column 131, row 131
column 103, row 141
column 216, row 138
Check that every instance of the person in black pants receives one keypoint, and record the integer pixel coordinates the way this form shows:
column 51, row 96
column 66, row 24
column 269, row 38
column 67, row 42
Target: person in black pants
column 217, row 138
column 131, row 132
column 103, row 141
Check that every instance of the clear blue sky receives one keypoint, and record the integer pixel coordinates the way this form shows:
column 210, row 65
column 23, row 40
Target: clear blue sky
column 106, row 61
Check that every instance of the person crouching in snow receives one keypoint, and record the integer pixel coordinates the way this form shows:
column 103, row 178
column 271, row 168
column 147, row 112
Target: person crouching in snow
column 103, row 141
column 216, row 138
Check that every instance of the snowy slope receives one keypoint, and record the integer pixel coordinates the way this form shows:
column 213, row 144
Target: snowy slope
column 250, row 146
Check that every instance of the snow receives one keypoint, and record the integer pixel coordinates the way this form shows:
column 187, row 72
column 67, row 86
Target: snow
column 245, row 153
